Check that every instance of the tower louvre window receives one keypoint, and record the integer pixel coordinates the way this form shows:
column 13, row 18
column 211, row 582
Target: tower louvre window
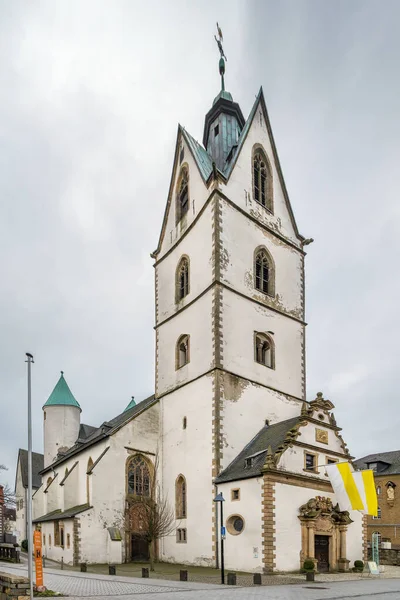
column 182, row 279
column 264, row 272
column 262, row 180
column 182, row 199
column 264, row 350
column 180, row 498
column 182, row 351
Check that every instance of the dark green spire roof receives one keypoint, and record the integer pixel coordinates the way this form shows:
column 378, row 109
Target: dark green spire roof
column 62, row 395
column 131, row 404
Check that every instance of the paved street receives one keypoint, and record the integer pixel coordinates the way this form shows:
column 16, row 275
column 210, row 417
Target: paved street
column 94, row 586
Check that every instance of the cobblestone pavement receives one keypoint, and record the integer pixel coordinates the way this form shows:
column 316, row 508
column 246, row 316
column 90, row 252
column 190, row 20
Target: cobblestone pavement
column 83, row 585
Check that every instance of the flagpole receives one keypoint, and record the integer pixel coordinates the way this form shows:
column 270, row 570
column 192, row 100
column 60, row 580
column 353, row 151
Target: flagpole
column 29, row 532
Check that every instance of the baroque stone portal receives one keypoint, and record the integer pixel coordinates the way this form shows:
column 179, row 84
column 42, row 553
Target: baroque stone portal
column 319, row 517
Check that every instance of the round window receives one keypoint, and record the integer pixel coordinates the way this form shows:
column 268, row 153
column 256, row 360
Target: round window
column 235, row 524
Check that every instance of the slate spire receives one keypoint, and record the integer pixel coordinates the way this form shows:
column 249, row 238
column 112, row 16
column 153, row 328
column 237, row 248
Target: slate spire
column 224, row 121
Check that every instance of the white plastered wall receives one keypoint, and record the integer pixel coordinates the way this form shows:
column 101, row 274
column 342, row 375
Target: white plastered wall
column 197, row 246
column 198, row 195
column 196, row 322
column 60, row 429
column 58, row 552
column 189, row 452
column 243, row 552
column 240, row 238
column 288, row 500
column 239, row 186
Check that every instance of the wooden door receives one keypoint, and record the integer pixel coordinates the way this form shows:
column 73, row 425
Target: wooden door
column 139, row 548
column 322, row 552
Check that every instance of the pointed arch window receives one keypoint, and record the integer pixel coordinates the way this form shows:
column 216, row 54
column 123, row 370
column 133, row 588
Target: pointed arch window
column 182, row 351
column 89, row 469
column 264, row 351
column 264, row 272
column 182, row 279
column 138, row 476
column 182, row 197
column 262, row 180
column 180, row 498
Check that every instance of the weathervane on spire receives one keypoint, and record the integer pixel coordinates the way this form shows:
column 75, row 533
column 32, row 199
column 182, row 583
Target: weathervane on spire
column 223, row 58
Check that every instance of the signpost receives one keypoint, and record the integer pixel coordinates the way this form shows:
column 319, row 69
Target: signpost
column 37, row 546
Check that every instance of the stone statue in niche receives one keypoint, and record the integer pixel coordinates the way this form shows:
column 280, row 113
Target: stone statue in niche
column 390, row 491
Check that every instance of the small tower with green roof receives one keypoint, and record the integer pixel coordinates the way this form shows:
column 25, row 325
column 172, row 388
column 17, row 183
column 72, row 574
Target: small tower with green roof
column 62, row 419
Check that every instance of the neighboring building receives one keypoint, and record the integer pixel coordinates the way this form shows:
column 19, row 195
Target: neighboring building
column 386, row 467
column 21, row 489
column 229, row 413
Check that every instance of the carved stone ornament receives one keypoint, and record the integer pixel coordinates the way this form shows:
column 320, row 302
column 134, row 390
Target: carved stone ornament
column 320, row 506
column 321, row 435
column 321, row 403
column 323, row 524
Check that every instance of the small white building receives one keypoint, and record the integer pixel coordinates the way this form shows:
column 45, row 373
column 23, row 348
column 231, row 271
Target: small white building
column 230, row 413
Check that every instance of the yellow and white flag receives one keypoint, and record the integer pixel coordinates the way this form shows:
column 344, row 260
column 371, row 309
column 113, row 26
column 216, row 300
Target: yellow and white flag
column 353, row 490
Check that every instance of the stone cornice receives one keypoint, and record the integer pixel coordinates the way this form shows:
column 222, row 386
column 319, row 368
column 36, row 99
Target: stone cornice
column 231, row 289
column 320, row 449
column 236, row 207
column 297, row 479
column 222, row 370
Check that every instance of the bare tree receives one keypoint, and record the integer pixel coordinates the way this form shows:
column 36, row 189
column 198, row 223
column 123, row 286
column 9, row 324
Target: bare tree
column 9, row 495
column 157, row 515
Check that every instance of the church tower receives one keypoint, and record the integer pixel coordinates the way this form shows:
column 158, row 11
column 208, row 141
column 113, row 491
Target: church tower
column 61, row 421
column 229, row 285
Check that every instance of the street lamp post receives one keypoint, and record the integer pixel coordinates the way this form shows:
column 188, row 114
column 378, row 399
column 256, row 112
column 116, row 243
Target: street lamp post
column 220, row 498
column 29, row 507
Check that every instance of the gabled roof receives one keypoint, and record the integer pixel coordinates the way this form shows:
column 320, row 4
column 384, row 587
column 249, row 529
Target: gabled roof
column 269, row 436
column 392, row 460
column 57, row 515
column 85, row 431
column 104, row 431
column 37, row 466
column 61, row 395
column 204, row 162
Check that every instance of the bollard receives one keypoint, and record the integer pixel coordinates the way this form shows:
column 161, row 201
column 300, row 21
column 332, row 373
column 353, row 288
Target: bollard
column 62, row 563
column 257, row 579
column 145, row 572
column 183, row 575
column 83, row 567
column 231, row 578
column 112, row 570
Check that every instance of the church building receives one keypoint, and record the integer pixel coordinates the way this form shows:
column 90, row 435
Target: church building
column 229, row 415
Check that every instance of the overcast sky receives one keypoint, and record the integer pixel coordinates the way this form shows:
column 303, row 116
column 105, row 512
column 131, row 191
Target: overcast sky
column 90, row 97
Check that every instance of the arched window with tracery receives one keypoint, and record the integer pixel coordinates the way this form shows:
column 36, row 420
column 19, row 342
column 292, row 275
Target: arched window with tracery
column 182, row 351
column 180, row 498
column 138, row 476
column 264, row 272
column 182, row 278
column 262, row 179
column 182, row 196
column 264, row 351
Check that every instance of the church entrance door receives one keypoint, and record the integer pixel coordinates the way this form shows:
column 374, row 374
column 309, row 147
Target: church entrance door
column 322, row 552
column 139, row 548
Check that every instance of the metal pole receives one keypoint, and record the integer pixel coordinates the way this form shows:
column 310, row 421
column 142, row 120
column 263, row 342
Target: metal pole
column 216, row 533
column 29, row 532
column 222, row 546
